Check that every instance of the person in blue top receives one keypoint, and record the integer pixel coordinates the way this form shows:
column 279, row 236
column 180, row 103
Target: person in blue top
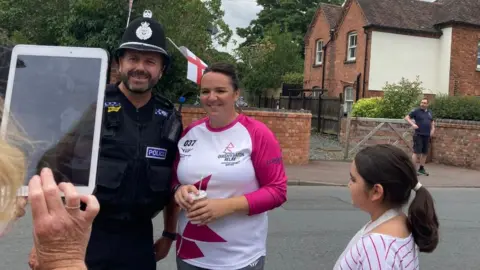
column 424, row 126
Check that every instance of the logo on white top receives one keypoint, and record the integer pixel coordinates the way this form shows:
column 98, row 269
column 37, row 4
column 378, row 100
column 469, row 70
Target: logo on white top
column 187, row 147
column 230, row 157
column 229, row 148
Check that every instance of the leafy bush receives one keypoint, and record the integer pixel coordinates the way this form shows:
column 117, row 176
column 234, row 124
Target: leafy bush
column 399, row 99
column 367, row 107
column 456, row 107
column 293, row 78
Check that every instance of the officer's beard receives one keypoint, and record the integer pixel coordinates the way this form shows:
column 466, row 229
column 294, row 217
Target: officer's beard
column 136, row 90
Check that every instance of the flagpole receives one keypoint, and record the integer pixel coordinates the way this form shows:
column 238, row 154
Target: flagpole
column 175, row 45
column 130, row 5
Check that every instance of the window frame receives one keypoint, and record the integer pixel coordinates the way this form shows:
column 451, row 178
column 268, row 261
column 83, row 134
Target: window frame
column 319, row 51
column 350, row 47
column 478, row 56
column 345, row 100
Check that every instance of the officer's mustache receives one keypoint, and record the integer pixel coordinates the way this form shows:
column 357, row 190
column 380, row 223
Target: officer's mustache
column 137, row 73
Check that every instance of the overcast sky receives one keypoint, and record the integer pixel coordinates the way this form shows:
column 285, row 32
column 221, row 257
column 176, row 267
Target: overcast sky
column 238, row 13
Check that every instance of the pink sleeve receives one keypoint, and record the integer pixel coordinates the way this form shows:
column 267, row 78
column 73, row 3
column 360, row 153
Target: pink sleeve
column 269, row 169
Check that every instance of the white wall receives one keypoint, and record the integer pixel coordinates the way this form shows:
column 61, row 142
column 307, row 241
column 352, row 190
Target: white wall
column 394, row 56
column 445, row 52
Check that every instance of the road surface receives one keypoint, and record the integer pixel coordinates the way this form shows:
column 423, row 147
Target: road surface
column 311, row 230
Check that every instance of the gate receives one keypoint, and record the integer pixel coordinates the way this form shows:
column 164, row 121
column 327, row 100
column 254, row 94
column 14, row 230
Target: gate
column 361, row 132
column 326, row 111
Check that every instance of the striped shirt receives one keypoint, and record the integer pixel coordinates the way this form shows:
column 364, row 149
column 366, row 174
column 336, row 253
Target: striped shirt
column 378, row 251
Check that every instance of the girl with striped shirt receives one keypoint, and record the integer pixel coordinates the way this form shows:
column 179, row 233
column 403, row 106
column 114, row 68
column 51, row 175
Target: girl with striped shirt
column 381, row 180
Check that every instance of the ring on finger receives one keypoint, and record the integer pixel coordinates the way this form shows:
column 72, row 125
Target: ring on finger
column 72, row 207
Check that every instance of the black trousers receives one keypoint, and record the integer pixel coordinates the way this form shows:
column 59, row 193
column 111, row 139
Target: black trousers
column 121, row 246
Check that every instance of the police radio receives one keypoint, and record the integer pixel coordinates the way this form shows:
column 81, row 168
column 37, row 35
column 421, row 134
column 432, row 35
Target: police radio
column 173, row 125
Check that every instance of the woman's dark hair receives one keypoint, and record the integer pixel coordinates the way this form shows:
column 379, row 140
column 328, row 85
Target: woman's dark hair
column 392, row 168
column 227, row 70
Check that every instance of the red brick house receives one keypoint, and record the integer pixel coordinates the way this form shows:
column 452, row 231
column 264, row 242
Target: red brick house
column 357, row 47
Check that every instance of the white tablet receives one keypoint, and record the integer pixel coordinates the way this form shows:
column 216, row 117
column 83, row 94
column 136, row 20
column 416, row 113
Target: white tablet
column 54, row 99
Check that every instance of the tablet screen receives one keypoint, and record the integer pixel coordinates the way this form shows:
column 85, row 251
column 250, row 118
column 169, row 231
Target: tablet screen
column 50, row 99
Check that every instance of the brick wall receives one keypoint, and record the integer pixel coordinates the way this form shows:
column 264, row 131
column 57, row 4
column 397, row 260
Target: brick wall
column 455, row 143
column 346, row 72
column 338, row 73
column 464, row 77
column 292, row 129
column 313, row 73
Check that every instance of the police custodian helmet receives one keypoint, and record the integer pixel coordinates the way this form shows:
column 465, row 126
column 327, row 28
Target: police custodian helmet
column 145, row 34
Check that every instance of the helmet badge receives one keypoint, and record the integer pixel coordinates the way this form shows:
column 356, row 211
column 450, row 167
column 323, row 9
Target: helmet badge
column 147, row 14
column 144, row 31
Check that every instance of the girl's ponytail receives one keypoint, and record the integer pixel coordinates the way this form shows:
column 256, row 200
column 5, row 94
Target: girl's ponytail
column 423, row 221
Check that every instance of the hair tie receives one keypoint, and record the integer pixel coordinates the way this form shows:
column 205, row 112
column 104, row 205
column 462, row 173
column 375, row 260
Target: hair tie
column 417, row 187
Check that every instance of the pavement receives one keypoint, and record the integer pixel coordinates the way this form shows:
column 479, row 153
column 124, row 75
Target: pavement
column 313, row 227
column 336, row 173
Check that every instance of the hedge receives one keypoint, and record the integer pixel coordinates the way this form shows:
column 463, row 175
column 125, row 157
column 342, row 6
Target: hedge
column 400, row 98
column 442, row 107
column 456, row 107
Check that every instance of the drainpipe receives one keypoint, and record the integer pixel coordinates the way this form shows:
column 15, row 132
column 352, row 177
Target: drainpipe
column 367, row 37
column 332, row 32
column 357, row 92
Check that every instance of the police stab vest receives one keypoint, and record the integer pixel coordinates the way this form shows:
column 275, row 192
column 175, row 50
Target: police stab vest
column 135, row 162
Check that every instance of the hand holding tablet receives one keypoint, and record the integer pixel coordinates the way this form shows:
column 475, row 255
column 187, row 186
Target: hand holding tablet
column 55, row 100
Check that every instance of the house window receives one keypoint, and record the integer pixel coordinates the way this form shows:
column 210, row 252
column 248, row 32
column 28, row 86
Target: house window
column 478, row 57
column 348, row 99
column 319, row 53
column 352, row 46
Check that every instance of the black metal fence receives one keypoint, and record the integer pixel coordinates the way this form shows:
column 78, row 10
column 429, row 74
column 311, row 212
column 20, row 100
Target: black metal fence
column 315, row 101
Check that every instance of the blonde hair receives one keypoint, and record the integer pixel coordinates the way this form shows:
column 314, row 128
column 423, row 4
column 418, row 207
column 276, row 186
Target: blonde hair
column 12, row 171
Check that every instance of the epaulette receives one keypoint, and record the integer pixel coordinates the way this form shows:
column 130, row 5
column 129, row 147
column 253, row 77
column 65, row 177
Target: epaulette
column 111, row 90
column 163, row 101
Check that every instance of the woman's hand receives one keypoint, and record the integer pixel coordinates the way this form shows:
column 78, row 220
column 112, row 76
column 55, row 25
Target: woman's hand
column 208, row 210
column 20, row 205
column 32, row 259
column 61, row 232
column 182, row 198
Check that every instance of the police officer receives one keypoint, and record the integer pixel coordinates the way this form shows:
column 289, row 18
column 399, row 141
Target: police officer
column 139, row 139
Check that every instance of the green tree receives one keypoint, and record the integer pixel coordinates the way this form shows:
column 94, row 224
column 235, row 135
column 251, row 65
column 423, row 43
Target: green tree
column 293, row 16
column 100, row 23
column 267, row 61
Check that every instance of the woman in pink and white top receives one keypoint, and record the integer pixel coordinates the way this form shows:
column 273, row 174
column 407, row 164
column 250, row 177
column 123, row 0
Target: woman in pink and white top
column 237, row 161
column 381, row 180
